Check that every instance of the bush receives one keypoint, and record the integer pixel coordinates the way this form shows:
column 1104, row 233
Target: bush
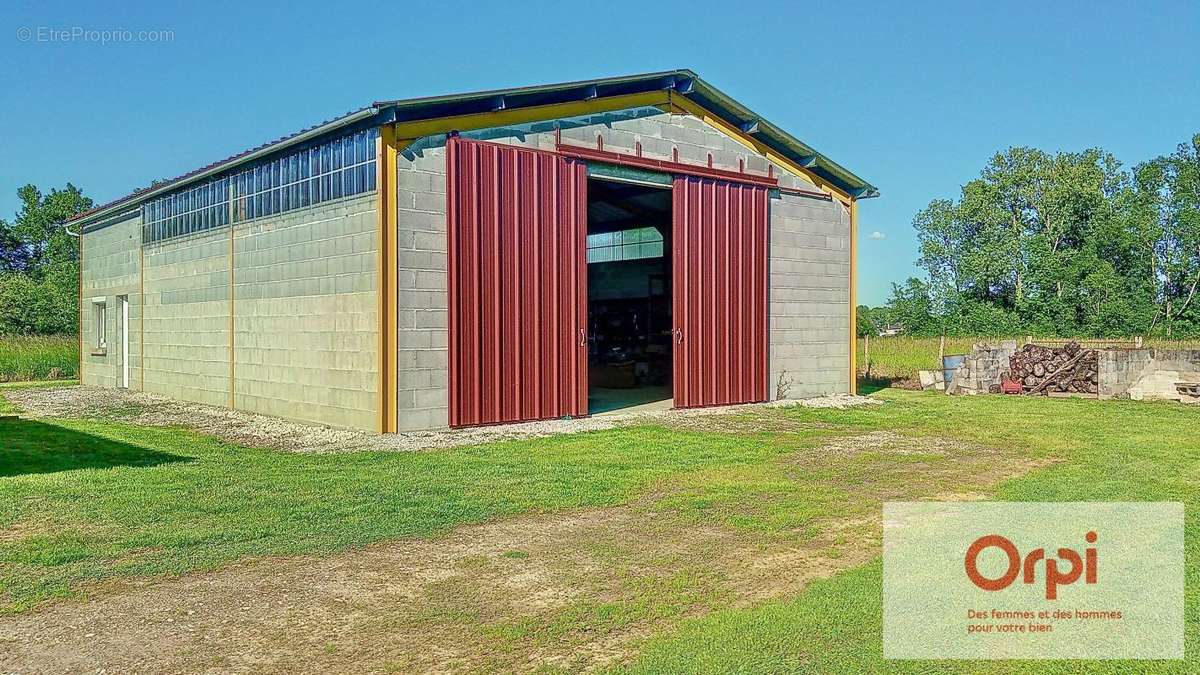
column 45, row 306
column 38, row 357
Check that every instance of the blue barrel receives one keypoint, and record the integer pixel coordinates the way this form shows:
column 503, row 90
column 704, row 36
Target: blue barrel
column 950, row 363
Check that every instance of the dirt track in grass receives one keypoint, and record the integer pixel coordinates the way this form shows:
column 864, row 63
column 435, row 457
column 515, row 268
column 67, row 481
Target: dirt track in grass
column 455, row 603
column 576, row 590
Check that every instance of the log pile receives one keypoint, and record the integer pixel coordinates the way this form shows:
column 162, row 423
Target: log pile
column 1042, row 370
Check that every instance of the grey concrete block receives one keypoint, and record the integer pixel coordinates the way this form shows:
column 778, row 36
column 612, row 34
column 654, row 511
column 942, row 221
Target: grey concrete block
column 430, row 201
column 430, row 241
column 417, row 181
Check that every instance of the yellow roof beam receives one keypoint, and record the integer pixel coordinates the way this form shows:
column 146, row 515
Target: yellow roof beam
column 499, row 118
column 682, row 104
column 664, row 100
column 854, row 297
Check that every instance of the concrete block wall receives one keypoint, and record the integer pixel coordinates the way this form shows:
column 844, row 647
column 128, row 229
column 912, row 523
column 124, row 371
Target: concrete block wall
column 306, row 314
column 1118, row 369
column 1186, row 360
column 1146, row 374
column 111, row 267
column 186, row 330
column 422, row 384
column 809, row 258
column 809, row 292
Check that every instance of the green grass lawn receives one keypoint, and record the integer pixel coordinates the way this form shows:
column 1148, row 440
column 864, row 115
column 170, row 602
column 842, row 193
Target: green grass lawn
column 1112, row 451
column 101, row 499
column 81, row 502
column 37, row 357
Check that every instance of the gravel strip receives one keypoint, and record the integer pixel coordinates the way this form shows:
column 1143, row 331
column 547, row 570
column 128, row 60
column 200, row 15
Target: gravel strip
column 151, row 410
column 839, row 401
column 279, row 434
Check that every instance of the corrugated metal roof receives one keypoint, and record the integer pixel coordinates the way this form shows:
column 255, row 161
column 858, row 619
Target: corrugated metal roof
column 684, row 82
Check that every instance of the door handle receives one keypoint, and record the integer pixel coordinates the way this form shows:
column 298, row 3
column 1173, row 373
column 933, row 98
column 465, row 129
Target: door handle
column 678, row 336
column 582, row 338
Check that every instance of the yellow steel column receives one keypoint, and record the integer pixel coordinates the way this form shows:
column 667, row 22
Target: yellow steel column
column 385, row 183
column 853, row 296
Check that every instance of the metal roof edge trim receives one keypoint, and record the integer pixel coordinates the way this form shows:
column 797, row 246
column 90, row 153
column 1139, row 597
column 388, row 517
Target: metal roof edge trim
column 535, row 89
column 741, row 114
column 120, row 216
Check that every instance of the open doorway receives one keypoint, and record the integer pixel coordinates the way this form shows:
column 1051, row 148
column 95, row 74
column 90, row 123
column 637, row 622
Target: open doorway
column 629, row 296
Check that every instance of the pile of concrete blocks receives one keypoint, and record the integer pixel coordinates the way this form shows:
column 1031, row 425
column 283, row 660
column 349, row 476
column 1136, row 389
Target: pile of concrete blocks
column 980, row 371
column 932, row 379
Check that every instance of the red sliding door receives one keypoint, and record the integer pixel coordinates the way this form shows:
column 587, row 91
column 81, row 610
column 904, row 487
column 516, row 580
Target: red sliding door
column 517, row 229
column 720, row 292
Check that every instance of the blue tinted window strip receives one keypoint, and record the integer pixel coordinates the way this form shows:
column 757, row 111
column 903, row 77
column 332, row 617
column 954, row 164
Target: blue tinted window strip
column 340, row 167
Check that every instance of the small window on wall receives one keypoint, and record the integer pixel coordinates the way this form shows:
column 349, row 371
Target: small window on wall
column 100, row 321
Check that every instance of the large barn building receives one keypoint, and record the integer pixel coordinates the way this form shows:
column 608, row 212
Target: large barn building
column 500, row 256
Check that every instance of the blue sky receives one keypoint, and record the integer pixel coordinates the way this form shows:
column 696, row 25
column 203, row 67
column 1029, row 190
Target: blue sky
column 912, row 96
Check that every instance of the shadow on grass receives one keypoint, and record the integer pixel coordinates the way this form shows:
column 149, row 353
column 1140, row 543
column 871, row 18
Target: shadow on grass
column 869, row 383
column 29, row 447
column 868, row 386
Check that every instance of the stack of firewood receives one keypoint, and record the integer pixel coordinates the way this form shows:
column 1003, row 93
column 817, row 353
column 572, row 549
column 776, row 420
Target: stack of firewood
column 1042, row 370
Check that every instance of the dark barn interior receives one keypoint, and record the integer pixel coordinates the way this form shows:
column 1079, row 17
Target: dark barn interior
column 629, row 295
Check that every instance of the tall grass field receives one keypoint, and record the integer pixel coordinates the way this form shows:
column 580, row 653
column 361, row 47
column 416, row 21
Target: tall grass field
column 900, row 357
column 24, row 358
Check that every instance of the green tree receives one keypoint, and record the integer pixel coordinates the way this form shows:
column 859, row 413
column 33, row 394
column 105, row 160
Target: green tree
column 910, row 306
column 39, row 263
column 865, row 322
column 1167, row 205
column 1067, row 243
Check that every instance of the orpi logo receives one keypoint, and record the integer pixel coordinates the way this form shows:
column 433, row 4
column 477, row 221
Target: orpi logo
column 1080, row 566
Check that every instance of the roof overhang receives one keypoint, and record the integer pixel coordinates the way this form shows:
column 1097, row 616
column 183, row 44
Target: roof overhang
column 676, row 89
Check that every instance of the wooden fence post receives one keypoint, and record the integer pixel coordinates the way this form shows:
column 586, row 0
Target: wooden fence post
column 867, row 353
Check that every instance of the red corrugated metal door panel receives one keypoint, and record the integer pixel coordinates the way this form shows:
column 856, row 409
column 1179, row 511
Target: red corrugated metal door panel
column 719, row 255
column 517, row 230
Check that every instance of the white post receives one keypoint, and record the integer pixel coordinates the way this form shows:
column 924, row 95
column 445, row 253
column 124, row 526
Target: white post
column 124, row 341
